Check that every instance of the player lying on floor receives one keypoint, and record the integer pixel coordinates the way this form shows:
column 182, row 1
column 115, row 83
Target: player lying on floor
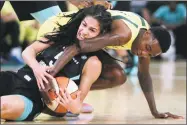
column 20, row 96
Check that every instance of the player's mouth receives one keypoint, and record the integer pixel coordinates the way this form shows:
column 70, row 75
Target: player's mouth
column 80, row 37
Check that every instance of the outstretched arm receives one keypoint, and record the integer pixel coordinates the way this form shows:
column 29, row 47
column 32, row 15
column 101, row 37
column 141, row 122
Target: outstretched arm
column 147, row 87
column 119, row 35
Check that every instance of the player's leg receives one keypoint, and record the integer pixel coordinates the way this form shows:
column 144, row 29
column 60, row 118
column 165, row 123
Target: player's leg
column 15, row 96
column 19, row 109
column 112, row 74
column 22, row 109
column 90, row 73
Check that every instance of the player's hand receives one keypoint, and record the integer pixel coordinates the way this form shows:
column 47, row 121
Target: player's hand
column 73, row 105
column 52, row 71
column 167, row 115
column 42, row 75
column 48, row 87
column 86, row 3
column 106, row 4
column 81, row 3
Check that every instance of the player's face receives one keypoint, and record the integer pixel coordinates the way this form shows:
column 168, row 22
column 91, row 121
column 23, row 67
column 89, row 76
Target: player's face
column 88, row 28
column 149, row 46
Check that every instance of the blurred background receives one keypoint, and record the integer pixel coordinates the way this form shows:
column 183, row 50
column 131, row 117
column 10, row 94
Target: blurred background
column 15, row 35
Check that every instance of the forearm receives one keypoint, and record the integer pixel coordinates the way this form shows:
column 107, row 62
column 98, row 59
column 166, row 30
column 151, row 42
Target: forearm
column 29, row 57
column 100, row 42
column 147, row 88
column 68, row 54
column 85, row 47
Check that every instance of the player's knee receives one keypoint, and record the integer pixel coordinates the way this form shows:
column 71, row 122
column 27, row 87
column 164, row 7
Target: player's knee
column 14, row 111
column 5, row 108
column 95, row 63
column 4, row 103
column 119, row 76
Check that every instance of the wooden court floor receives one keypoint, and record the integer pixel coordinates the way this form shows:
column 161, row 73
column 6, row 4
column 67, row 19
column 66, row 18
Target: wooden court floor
column 126, row 104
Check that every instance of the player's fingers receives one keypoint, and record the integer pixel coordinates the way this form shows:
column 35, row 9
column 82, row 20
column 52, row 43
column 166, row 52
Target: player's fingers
column 111, row 6
column 108, row 5
column 85, row 3
column 60, row 98
column 90, row 3
column 41, row 83
column 49, row 76
column 68, row 95
column 64, row 97
column 174, row 116
column 78, row 94
column 44, row 79
column 48, row 68
column 61, row 101
column 177, row 117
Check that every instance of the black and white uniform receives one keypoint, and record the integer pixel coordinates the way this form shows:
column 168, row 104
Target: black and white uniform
column 24, row 83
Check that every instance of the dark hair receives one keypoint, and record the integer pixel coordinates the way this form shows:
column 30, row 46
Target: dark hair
column 68, row 32
column 163, row 37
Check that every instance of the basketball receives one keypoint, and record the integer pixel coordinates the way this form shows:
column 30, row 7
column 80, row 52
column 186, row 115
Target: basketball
column 61, row 83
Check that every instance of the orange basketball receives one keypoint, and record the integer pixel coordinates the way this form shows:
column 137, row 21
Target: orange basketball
column 61, row 83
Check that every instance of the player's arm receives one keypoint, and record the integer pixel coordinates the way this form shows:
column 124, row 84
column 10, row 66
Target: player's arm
column 146, row 82
column 29, row 57
column 119, row 35
column 81, row 4
column 87, row 3
column 87, row 79
column 147, row 87
column 29, row 54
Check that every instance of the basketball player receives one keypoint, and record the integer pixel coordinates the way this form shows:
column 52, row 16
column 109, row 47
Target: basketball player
column 129, row 31
column 20, row 96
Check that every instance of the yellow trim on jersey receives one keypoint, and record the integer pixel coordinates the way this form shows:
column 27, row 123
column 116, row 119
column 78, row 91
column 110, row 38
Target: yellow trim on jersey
column 52, row 23
column 133, row 21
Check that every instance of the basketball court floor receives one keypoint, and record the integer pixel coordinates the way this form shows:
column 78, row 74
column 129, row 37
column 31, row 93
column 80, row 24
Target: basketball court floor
column 127, row 105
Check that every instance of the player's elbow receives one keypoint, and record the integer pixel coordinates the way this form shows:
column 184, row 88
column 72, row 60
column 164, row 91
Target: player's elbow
column 24, row 53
